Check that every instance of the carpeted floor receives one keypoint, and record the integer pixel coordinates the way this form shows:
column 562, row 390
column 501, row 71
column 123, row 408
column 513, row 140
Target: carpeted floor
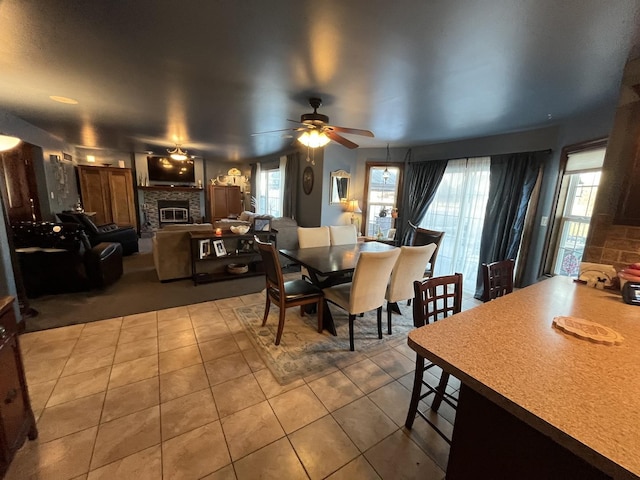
column 303, row 351
column 139, row 290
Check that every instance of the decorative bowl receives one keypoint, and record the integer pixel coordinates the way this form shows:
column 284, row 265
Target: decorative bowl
column 237, row 268
column 240, row 229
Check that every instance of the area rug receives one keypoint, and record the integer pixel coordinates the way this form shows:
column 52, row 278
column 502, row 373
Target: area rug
column 303, row 351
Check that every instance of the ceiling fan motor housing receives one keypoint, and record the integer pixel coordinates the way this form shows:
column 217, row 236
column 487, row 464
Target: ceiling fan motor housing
column 314, row 118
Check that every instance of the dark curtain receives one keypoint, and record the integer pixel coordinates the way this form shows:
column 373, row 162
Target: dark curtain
column 512, row 179
column 291, row 182
column 254, row 169
column 422, row 181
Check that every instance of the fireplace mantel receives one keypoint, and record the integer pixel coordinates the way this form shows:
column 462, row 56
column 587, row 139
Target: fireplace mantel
column 169, row 187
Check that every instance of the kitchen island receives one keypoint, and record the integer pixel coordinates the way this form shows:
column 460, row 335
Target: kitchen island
column 535, row 401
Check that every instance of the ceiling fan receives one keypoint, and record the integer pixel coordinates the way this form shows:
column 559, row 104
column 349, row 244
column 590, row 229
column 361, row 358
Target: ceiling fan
column 316, row 129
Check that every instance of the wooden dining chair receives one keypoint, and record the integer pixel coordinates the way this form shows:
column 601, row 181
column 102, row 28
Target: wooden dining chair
column 409, row 267
column 424, row 236
column 343, row 234
column 434, row 298
column 497, row 278
column 367, row 290
column 288, row 294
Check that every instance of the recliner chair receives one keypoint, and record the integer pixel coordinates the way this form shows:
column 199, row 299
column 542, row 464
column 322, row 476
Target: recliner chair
column 57, row 258
column 110, row 232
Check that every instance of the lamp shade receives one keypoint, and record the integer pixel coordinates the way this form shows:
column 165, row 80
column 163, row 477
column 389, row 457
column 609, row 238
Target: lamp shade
column 7, row 142
column 313, row 139
column 353, row 207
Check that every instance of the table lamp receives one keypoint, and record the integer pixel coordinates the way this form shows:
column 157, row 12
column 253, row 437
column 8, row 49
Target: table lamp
column 353, row 207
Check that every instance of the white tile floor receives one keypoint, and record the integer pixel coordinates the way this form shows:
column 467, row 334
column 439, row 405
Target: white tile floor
column 182, row 394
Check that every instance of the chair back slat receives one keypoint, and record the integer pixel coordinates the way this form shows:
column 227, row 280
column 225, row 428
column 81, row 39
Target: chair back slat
column 436, row 298
column 497, row 279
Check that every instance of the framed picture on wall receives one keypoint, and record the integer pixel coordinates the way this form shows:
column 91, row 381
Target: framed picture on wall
column 391, row 234
column 218, row 247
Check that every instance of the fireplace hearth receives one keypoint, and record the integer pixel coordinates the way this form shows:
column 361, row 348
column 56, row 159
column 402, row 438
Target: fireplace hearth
column 173, row 211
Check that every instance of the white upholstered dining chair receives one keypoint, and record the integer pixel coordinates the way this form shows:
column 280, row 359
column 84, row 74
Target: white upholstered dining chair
column 367, row 290
column 309, row 237
column 343, row 234
column 409, row 267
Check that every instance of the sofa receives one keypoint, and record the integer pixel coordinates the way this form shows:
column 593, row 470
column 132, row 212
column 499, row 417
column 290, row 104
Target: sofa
column 58, row 258
column 172, row 250
column 110, row 232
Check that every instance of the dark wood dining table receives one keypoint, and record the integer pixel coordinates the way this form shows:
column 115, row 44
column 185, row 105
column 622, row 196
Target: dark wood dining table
column 328, row 266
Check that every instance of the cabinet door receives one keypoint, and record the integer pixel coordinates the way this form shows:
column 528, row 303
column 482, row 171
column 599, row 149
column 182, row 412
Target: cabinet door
column 12, row 407
column 123, row 212
column 95, row 198
column 218, row 201
column 234, row 201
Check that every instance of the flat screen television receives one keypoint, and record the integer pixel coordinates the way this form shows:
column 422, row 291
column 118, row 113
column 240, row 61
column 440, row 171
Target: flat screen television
column 166, row 169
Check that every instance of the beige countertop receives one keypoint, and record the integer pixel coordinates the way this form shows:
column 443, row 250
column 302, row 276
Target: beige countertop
column 585, row 396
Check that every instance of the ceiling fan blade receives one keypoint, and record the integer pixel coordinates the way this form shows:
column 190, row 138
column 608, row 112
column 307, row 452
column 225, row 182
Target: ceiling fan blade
column 341, row 140
column 275, row 131
column 352, row 131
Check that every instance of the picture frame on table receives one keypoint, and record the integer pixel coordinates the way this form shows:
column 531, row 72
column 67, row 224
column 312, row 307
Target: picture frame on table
column 218, row 247
column 262, row 224
column 204, row 247
column 391, row 234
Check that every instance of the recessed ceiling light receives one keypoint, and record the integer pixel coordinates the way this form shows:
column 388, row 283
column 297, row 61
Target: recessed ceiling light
column 67, row 100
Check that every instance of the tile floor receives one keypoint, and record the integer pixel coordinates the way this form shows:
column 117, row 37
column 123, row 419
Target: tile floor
column 182, row 394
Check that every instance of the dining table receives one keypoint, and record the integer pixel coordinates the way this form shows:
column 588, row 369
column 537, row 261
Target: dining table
column 540, row 399
column 331, row 265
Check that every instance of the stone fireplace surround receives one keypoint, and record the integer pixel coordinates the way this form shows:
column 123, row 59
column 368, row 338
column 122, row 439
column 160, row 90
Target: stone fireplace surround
column 150, row 220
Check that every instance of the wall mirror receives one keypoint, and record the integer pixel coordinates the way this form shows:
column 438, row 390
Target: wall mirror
column 339, row 186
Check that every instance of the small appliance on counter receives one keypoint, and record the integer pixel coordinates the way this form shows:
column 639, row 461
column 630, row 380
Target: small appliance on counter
column 631, row 293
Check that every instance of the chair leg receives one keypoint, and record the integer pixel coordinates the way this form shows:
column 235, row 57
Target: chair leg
column 280, row 324
column 388, row 318
column 379, row 312
column 352, row 319
column 415, row 394
column 267, row 307
column 440, row 389
column 320, row 311
column 302, row 307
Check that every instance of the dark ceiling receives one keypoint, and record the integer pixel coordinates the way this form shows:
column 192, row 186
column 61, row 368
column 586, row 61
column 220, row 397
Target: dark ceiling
column 207, row 74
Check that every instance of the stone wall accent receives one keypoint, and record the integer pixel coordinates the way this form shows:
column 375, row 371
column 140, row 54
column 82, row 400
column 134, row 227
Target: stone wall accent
column 617, row 245
column 150, row 206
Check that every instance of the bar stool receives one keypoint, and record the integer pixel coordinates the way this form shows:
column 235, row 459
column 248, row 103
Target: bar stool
column 435, row 298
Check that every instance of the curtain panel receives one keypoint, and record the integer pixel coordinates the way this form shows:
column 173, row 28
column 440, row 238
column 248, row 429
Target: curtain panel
column 513, row 177
column 423, row 179
column 291, row 182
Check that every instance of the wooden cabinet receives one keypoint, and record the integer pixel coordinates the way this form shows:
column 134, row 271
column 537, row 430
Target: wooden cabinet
column 17, row 421
column 224, row 201
column 108, row 192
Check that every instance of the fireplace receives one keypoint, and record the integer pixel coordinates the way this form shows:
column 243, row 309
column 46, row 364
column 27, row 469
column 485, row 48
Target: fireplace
column 173, row 211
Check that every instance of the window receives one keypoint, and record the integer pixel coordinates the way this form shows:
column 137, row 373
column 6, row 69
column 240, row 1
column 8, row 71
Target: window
column 269, row 189
column 575, row 205
column 382, row 198
column 458, row 209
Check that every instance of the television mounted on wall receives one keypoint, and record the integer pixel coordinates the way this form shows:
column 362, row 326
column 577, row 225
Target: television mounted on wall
column 166, row 169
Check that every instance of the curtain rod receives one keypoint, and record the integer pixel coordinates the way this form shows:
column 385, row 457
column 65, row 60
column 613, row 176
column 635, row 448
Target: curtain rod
column 548, row 151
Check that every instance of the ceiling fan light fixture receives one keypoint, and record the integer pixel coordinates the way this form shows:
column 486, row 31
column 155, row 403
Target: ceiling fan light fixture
column 7, row 142
column 314, row 139
column 178, row 154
